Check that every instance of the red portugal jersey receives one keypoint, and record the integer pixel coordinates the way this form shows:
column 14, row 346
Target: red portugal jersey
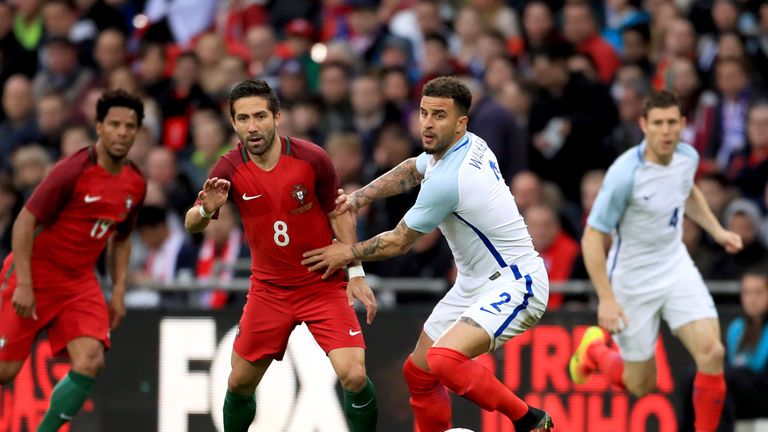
column 78, row 206
column 283, row 210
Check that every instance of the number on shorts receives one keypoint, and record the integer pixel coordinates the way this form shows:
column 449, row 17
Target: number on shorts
column 505, row 298
column 100, row 228
column 281, row 233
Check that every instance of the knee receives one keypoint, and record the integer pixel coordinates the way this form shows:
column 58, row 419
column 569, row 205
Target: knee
column 641, row 387
column 711, row 358
column 89, row 363
column 239, row 384
column 353, row 378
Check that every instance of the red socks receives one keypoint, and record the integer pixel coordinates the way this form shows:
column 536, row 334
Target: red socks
column 429, row 399
column 708, row 398
column 608, row 361
column 473, row 381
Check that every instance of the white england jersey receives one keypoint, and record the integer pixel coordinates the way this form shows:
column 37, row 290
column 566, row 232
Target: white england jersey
column 642, row 204
column 465, row 195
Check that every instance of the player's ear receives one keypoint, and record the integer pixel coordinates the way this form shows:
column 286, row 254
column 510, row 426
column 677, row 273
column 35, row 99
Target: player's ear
column 462, row 126
column 277, row 118
column 643, row 123
column 99, row 128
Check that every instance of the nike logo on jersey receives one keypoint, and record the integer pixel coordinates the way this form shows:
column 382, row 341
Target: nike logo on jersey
column 354, row 333
column 248, row 198
column 354, row 405
column 91, row 199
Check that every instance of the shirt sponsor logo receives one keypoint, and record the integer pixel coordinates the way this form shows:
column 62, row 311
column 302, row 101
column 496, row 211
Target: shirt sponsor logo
column 92, row 198
column 248, row 198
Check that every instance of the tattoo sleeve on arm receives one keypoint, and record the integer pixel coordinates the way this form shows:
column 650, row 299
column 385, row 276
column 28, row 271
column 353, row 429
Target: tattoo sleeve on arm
column 387, row 244
column 399, row 179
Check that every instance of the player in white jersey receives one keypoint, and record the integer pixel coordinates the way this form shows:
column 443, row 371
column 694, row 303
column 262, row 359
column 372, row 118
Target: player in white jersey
column 502, row 286
column 647, row 274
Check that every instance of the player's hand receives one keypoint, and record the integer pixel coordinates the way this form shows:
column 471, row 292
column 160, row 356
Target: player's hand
column 610, row 316
column 214, row 194
column 23, row 301
column 729, row 240
column 331, row 258
column 358, row 288
column 116, row 311
column 345, row 203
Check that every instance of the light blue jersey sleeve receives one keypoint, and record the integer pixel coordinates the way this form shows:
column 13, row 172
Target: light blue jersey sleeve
column 437, row 198
column 615, row 193
column 421, row 163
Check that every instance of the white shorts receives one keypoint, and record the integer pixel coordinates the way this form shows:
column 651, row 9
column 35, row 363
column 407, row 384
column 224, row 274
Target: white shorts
column 683, row 302
column 505, row 307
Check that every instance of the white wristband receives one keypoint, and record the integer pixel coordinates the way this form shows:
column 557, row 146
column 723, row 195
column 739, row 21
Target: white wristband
column 204, row 213
column 355, row 271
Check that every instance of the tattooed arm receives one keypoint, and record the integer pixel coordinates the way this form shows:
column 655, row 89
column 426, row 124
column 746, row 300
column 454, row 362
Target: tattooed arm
column 399, row 179
column 385, row 245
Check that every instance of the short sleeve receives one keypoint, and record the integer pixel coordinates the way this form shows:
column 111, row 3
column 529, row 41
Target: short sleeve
column 421, row 163
column 437, row 199
column 613, row 199
column 326, row 181
column 53, row 193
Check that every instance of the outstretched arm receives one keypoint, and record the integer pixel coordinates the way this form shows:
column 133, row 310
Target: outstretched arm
column 212, row 197
column 385, row 245
column 698, row 210
column 399, row 179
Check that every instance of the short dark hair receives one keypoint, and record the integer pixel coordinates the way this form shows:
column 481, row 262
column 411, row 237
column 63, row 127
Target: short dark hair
column 254, row 87
column 641, row 28
column 660, row 99
column 556, row 50
column 450, row 87
column 151, row 216
column 119, row 98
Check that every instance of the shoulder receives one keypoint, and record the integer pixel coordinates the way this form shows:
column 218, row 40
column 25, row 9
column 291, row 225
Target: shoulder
column 686, row 150
column 305, row 150
column 71, row 167
column 622, row 170
column 228, row 162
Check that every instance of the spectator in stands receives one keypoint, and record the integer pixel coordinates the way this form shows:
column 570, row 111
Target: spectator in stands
column 749, row 168
column 11, row 47
column 557, row 248
column 223, row 246
column 697, row 103
column 110, row 51
column 291, row 82
column 631, row 96
column 30, row 163
column 757, row 45
column 103, row 14
column 498, row 128
column 178, row 20
column 150, row 69
column 497, row 15
column 636, row 42
column 61, row 19
column 210, row 50
column 500, row 70
column 526, row 188
column 61, row 72
column 181, row 100
column 371, row 113
column 580, row 29
column 590, row 186
column 437, row 59
column 232, row 70
column 123, row 78
column 467, row 26
column 307, row 115
column 300, row 35
column 728, row 137
column 744, row 218
column 75, row 138
column 414, row 23
column 396, row 90
column 334, row 89
column 19, row 122
column 569, row 122
column 538, row 31
column 516, row 97
column 168, row 252
column 746, row 344
column 264, row 63
column 346, row 153
column 679, row 42
column 52, row 113
column 162, row 168
column 209, row 139
column 9, row 206
column 367, row 32
column 491, row 45
column 725, row 17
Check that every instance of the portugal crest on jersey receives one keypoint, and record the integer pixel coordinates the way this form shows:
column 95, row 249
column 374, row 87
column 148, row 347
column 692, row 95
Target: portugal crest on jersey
column 299, row 193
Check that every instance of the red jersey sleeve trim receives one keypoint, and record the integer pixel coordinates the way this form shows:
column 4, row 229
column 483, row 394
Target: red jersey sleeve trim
column 52, row 194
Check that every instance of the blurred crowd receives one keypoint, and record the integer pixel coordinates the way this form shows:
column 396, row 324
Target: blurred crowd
column 557, row 91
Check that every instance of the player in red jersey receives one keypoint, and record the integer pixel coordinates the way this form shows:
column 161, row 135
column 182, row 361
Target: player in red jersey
column 88, row 201
column 285, row 191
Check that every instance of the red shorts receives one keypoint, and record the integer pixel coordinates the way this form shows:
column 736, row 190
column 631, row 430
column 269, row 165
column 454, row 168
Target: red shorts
column 65, row 316
column 271, row 314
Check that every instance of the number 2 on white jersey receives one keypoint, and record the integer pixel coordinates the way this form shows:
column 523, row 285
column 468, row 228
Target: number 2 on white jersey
column 281, row 233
